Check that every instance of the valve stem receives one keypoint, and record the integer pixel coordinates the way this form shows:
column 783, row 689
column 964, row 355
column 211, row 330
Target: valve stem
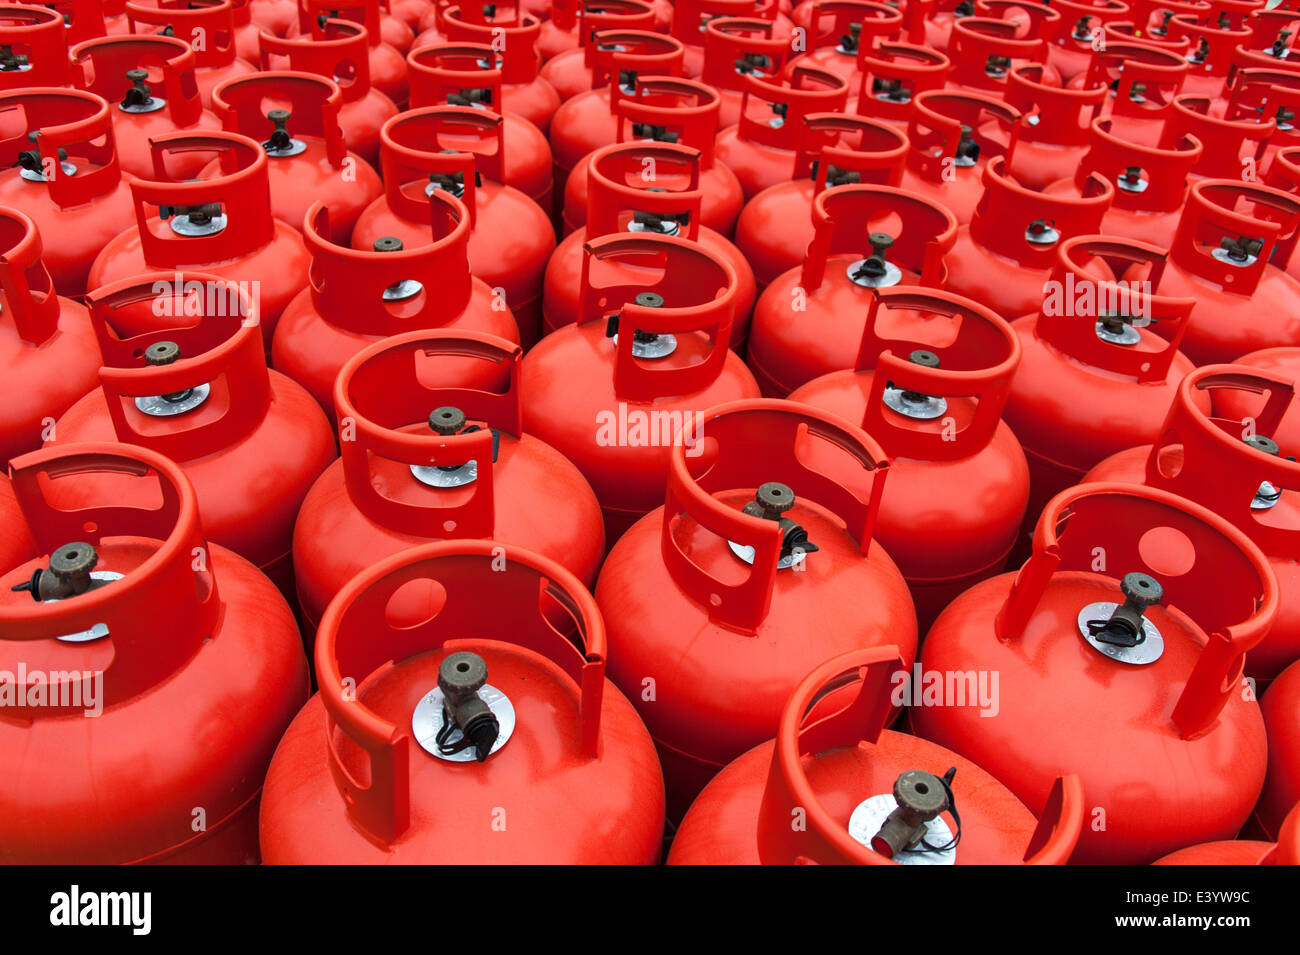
column 9, row 60
column 460, row 677
column 138, row 95
column 160, row 354
column 1241, row 248
column 771, row 501
column 67, row 576
column 1124, row 628
column 873, row 267
column 921, row 798
column 280, row 140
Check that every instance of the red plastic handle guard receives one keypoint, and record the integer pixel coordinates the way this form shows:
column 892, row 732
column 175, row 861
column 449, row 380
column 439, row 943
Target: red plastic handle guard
column 728, row 39
column 1146, row 11
column 342, row 51
column 1073, row 330
column 831, row 19
column 1094, row 13
column 597, row 16
column 1219, row 43
column 1219, row 469
column 1230, row 591
column 698, row 287
column 364, row 12
column 410, row 149
column 1122, row 61
column 934, row 128
column 803, row 90
column 166, row 587
column 243, row 189
column 41, row 37
column 223, row 347
column 690, row 16
column 1044, row 22
column 823, row 841
column 1224, row 139
column 757, row 441
column 29, row 299
column 519, row 59
column 447, row 68
column 347, row 285
column 110, row 57
column 617, row 186
column 1264, row 25
column 86, row 17
column 378, row 392
column 1209, row 216
column 916, row 69
column 73, row 120
column 1284, row 170
column 1168, row 169
column 313, row 102
column 633, row 51
column 978, row 363
column 208, row 26
column 877, row 156
column 687, row 107
column 841, row 219
column 1266, row 92
column 1060, row 116
column 355, row 639
column 975, row 39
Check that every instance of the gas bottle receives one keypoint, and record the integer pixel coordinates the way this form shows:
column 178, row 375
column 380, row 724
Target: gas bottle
column 1008, row 250
column 364, row 295
column 387, row 40
column 891, row 75
column 810, row 320
column 984, row 49
column 118, row 69
column 1094, row 377
column 33, row 48
column 1272, row 93
column 1235, row 143
column 559, row 756
column 1240, row 405
column 1158, row 652
column 1212, row 45
column 929, row 22
column 560, row 36
column 688, row 16
column 1286, row 851
column 620, row 199
column 723, row 643
column 1150, row 182
column 932, row 394
column 760, row 149
column 247, row 33
column 736, row 47
column 68, row 179
column 198, row 390
column 208, row 28
column 222, row 225
column 47, row 347
column 1224, row 464
column 1282, row 721
column 868, row 794
column 1151, row 18
column 840, row 30
column 87, row 19
column 836, row 150
column 307, row 157
column 161, row 638
column 684, row 112
column 1232, row 262
column 1080, row 33
column 364, row 109
column 1058, row 122
column 613, row 407
column 1142, row 80
column 510, row 236
column 435, row 454
column 951, row 136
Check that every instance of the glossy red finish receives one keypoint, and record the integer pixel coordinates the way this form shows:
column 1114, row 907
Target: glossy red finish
column 721, row 643
column 199, row 647
column 251, row 449
column 278, row 17
column 1186, row 712
column 38, row 36
column 16, row 544
column 977, row 39
column 570, row 53
column 928, row 22
column 1079, row 33
column 209, row 29
column 776, row 226
column 1143, row 80
column 1057, row 130
column 1239, row 405
column 80, row 213
column 250, row 247
column 48, row 354
column 1211, row 50
column 738, row 47
column 959, row 482
column 1281, row 708
column 615, row 415
column 689, row 15
column 1284, row 174
column 1206, row 459
column 830, row 767
column 357, row 298
column 861, row 23
column 811, row 319
column 388, row 39
column 577, row 782
column 525, row 492
column 891, row 75
column 510, row 236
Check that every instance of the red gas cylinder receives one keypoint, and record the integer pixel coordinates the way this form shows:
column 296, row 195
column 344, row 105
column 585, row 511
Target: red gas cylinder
column 1224, row 464
column 250, row 440
column 67, row 180
column 277, row 17
column 434, row 455
column 35, row 48
column 1235, row 143
column 1240, row 405
column 221, row 225
column 510, row 236
column 891, row 75
column 1142, row 81
column 565, row 771
column 47, row 348
column 1210, row 55
column 118, row 69
column 810, row 320
column 1151, row 17
column 208, row 28
column 458, row 74
column 718, row 600
column 387, row 58
column 569, row 67
column 776, row 226
column 951, row 136
column 343, row 46
column 359, row 296
column 407, row 11
column 1286, row 851
column 1281, row 709
column 673, row 110
column 689, row 17
column 984, row 50
column 1150, row 182
column 929, row 22
column 308, row 159
column 1134, row 682
column 87, row 19
column 932, row 393
column 839, row 31
column 159, row 638
column 1056, row 132
column 614, row 407
column 1080, row 32
column 737, row 47
column 850, row 776
column 1093, row 379
column 1233, row 243
column 761, row 148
